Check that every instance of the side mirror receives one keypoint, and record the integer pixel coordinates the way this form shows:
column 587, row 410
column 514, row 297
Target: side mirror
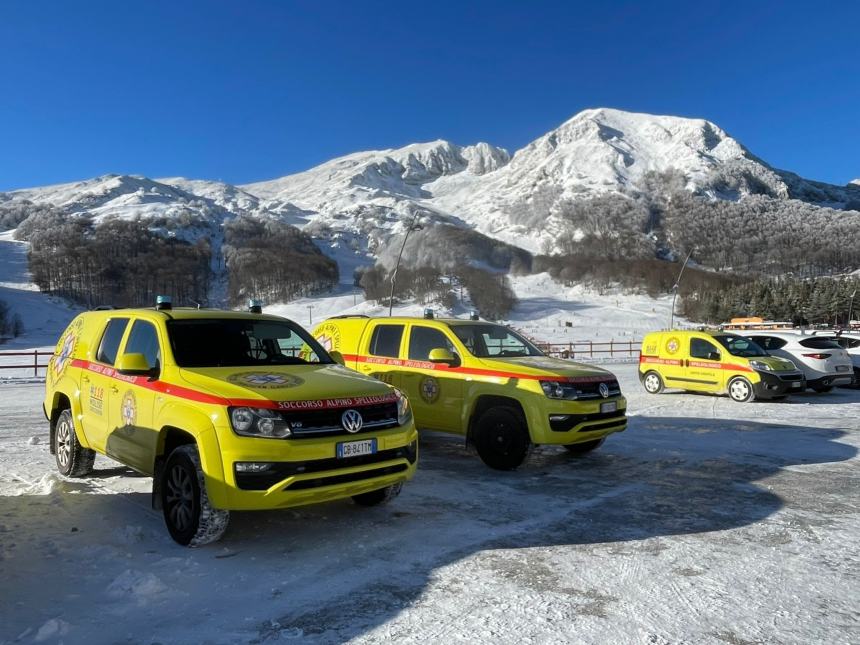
column 442, row 355
column 713, row 356
column 337, row 357
column 135, row 365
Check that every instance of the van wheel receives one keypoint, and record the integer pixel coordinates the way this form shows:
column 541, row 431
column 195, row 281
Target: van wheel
column 378, row 497
column 73, row 460
column 653, row 383
column 190, row 518
column 584, row 447
column 741, row 390
column 502, row 439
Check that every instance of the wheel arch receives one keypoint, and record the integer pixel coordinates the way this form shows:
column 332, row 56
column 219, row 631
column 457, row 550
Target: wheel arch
column 486, row 402
column 59, row 402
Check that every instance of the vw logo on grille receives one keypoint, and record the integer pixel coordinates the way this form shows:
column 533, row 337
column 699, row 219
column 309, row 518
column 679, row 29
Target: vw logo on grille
column 351, row 420
column 603, row 388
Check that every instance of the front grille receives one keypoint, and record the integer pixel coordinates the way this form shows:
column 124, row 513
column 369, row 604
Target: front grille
column 573, row 420
column 278, row 471
column 305, row 484
column 592, row 390
column 319, row 423
column 794, row 376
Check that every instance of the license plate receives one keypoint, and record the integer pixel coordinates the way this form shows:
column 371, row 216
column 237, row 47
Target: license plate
column 796, row 384
column 841, row 368
column 611, row 406
column 356, row 448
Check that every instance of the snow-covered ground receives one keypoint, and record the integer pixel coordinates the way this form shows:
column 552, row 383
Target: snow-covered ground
column 706, row 522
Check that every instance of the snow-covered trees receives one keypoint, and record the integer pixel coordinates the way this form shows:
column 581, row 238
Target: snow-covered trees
column 274, row 261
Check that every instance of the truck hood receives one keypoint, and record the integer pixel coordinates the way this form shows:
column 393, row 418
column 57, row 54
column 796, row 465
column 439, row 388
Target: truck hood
column 546, row 366
column 283, row 383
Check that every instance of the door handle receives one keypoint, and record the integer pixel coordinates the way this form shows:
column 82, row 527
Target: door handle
column 114, row 389
column 85, row 379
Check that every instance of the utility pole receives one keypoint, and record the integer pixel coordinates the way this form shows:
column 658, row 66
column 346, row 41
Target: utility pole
column 310, row 315
column 851, row 307
column 413, row 226
column 676, row 286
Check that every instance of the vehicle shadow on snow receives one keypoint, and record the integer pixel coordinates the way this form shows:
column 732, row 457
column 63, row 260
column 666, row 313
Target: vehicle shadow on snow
column 664, row 477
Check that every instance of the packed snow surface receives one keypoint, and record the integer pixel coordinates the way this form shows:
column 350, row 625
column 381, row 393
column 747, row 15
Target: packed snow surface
column 706, row 521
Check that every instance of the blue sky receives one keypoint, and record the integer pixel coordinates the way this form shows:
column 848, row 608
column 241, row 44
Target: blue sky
column 251, row 90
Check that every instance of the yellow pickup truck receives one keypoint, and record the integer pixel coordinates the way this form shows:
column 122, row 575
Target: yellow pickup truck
column 483, row 381
column 226, row 410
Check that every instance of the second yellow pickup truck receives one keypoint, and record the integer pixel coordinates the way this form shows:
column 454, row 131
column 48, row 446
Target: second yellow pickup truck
column 484, row 381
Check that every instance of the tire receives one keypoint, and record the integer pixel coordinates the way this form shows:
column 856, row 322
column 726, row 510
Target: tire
column 378, row 497
column 73, row 460
column 741, row 390
column 653, row 383
column 502, row 438
column 584, row 447
column 190, row 518
column 822, row 389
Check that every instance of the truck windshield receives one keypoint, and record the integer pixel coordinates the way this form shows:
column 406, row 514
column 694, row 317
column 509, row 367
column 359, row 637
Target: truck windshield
column 486, row 340
column 740, row 346
column 240, row 342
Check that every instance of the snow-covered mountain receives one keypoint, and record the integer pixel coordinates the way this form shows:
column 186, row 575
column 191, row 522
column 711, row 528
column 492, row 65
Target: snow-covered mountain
column 353, row 205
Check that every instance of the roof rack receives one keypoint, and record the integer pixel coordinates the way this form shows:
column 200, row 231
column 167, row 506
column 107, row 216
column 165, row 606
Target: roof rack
column 103, row 308
column 349, row 316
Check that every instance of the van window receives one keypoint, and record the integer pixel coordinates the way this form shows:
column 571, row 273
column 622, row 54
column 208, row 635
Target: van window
column 701, row 349
column 110, row 340
column 385, row 340
column 143, row 339
column 424, row 339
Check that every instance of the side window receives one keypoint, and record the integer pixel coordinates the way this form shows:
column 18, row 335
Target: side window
column 424, row 339
column 110, row 340
column 849, row 343
column 385, row 340
column 769, row 342
column 144, row 340
column 701, row 349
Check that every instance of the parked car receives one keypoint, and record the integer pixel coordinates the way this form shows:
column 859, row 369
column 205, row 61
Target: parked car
column 483, row 381
column 850, row 342
column 716, row 362
column 226, row 411
column 824, row 363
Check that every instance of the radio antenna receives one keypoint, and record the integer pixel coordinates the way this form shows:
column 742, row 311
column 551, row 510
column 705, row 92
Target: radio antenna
column 676, row 286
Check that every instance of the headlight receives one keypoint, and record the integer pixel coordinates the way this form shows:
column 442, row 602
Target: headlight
column 790, row 363
column 404, row 412
column 259, row 422
column 760, row 366
column 558, row 390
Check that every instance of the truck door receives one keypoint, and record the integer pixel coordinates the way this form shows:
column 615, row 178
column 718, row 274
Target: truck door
column 133, row 438
column 379, row 352
column 434, row 391
column 98, row 389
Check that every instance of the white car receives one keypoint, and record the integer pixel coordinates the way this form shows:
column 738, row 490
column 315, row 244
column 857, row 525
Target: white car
column 823, row 362
column 850, row 342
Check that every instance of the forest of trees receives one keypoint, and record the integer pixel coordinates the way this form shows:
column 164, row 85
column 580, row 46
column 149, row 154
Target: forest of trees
column 800, row 301
column 273, row 261
column 119, row 262
column 490, row 293
column 11, row 325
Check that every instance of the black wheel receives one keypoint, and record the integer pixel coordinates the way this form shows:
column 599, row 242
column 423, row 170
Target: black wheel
column 73, row 460
column 653, row 383
column 584, row 447
column 501, row 438
column 190, row 518
column 741, row 390
column 377, row 497
column 822, row 389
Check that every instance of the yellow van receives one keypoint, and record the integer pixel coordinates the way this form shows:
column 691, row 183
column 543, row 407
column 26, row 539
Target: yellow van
column 483, row 381
column 226, row 411
column 715, row 361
